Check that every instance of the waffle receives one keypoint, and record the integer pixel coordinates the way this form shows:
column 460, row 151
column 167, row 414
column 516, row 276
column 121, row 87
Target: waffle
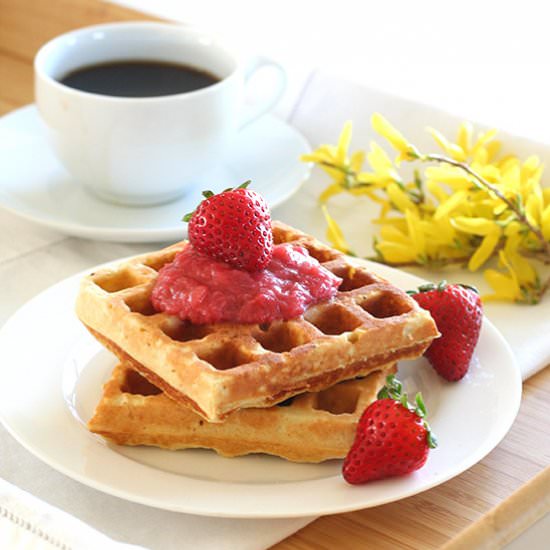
column 217, row 369
column 312, row 428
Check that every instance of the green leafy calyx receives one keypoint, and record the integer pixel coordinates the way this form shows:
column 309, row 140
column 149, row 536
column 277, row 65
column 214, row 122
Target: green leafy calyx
column 208, row 194
column 394, row 390
column 441, row 286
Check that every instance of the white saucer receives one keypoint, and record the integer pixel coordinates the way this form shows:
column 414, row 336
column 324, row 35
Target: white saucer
column 35, row 186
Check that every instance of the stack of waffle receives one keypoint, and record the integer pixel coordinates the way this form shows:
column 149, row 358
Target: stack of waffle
column 294, row 389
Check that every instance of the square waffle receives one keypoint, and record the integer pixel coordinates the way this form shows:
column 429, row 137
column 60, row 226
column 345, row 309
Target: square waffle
column 311, row 428
column 219, row 368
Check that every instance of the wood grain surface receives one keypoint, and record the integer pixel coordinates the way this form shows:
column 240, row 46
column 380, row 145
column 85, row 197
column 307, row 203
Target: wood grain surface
column 487, row 505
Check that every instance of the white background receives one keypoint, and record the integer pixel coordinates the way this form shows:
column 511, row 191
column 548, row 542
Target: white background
column 486, row 60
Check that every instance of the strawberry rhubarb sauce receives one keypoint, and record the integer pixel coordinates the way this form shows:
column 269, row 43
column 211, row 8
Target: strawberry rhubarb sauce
column 200, row 289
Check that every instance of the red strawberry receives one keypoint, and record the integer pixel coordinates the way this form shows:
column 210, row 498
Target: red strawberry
column 457, row 312
column 233, row 226
column 392, row 438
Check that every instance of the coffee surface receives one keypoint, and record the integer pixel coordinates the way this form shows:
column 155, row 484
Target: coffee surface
column 138, row 79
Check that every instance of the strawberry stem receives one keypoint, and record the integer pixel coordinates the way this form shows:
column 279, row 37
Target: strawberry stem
column 470, row 287
column 442, row 285
column 420, row 407
column 432, row 440
column 427, row 287
column 207, row 194
column 394, row 390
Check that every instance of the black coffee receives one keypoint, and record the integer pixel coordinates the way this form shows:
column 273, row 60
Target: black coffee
column 138, row 79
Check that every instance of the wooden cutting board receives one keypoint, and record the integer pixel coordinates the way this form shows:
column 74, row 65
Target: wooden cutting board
column 488, row 505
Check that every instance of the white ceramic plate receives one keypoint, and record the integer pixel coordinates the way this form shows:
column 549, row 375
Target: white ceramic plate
column 52, row 372
column 35, row 186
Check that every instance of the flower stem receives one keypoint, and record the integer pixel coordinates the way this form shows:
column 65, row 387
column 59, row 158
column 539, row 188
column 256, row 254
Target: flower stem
column 496, row 191
column 538, row 255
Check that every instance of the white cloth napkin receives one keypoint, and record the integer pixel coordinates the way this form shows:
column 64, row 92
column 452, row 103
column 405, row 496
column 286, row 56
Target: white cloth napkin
column 27, row 522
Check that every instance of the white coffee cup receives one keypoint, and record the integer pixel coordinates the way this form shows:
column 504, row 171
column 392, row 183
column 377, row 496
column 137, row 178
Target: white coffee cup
column 146, row 150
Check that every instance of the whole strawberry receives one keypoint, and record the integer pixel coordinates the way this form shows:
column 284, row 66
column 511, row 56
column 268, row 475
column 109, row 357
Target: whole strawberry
column 392, row 438
column 233, row 226
column 457, row 312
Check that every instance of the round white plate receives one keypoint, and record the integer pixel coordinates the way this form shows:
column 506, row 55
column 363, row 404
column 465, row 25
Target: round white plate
column 35, row 186
column 52, row 372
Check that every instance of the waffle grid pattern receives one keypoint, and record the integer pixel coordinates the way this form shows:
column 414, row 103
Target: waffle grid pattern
column 364, row 304
column 314, row 427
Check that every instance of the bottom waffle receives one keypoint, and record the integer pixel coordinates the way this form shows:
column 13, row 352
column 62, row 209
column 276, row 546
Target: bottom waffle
column 311, row 427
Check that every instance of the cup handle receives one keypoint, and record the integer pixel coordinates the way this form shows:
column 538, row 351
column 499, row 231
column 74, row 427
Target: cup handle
column 262, row 106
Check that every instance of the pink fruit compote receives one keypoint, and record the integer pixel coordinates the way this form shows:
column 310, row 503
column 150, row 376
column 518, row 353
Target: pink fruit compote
column 200, row 289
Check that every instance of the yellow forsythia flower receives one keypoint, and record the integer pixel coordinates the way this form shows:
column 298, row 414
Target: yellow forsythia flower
column 334, row 234
column 475, row 226
column 395, row 247
column 343, row 143
column 333, row 189
column 452, row 149
column 395, row 138
column 545, row 222
column 485, row 250
column 452, row 203
column 473, row 206
column 505, row 285
column 464, row 137
column 399, row 198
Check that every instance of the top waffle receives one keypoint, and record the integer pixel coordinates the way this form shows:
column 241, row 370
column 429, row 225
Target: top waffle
column 216, row 369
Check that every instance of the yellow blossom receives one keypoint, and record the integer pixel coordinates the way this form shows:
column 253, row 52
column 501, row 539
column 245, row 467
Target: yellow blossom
column 333, row 189
column 533, row 208
column 452, row 203
column 334, row 234
column 395, row 138
column 450, row 212
column 453, row 150
column 416, row 232
column 335, row 161
column 506, row 162
column 484, row 251
column 483, row 139
column 343, row 144
column 381, row 164
column 519, row 284
column 505, row 285
column 378, row 159
column 464, row 137
column 490, row 172
column 356, row 161
column 493, row 148
column 475, row 226
column 452, row 176
column 437, row 191
column 545, row 222
column 525, row 272
column 399, row 198
column 395, row 246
